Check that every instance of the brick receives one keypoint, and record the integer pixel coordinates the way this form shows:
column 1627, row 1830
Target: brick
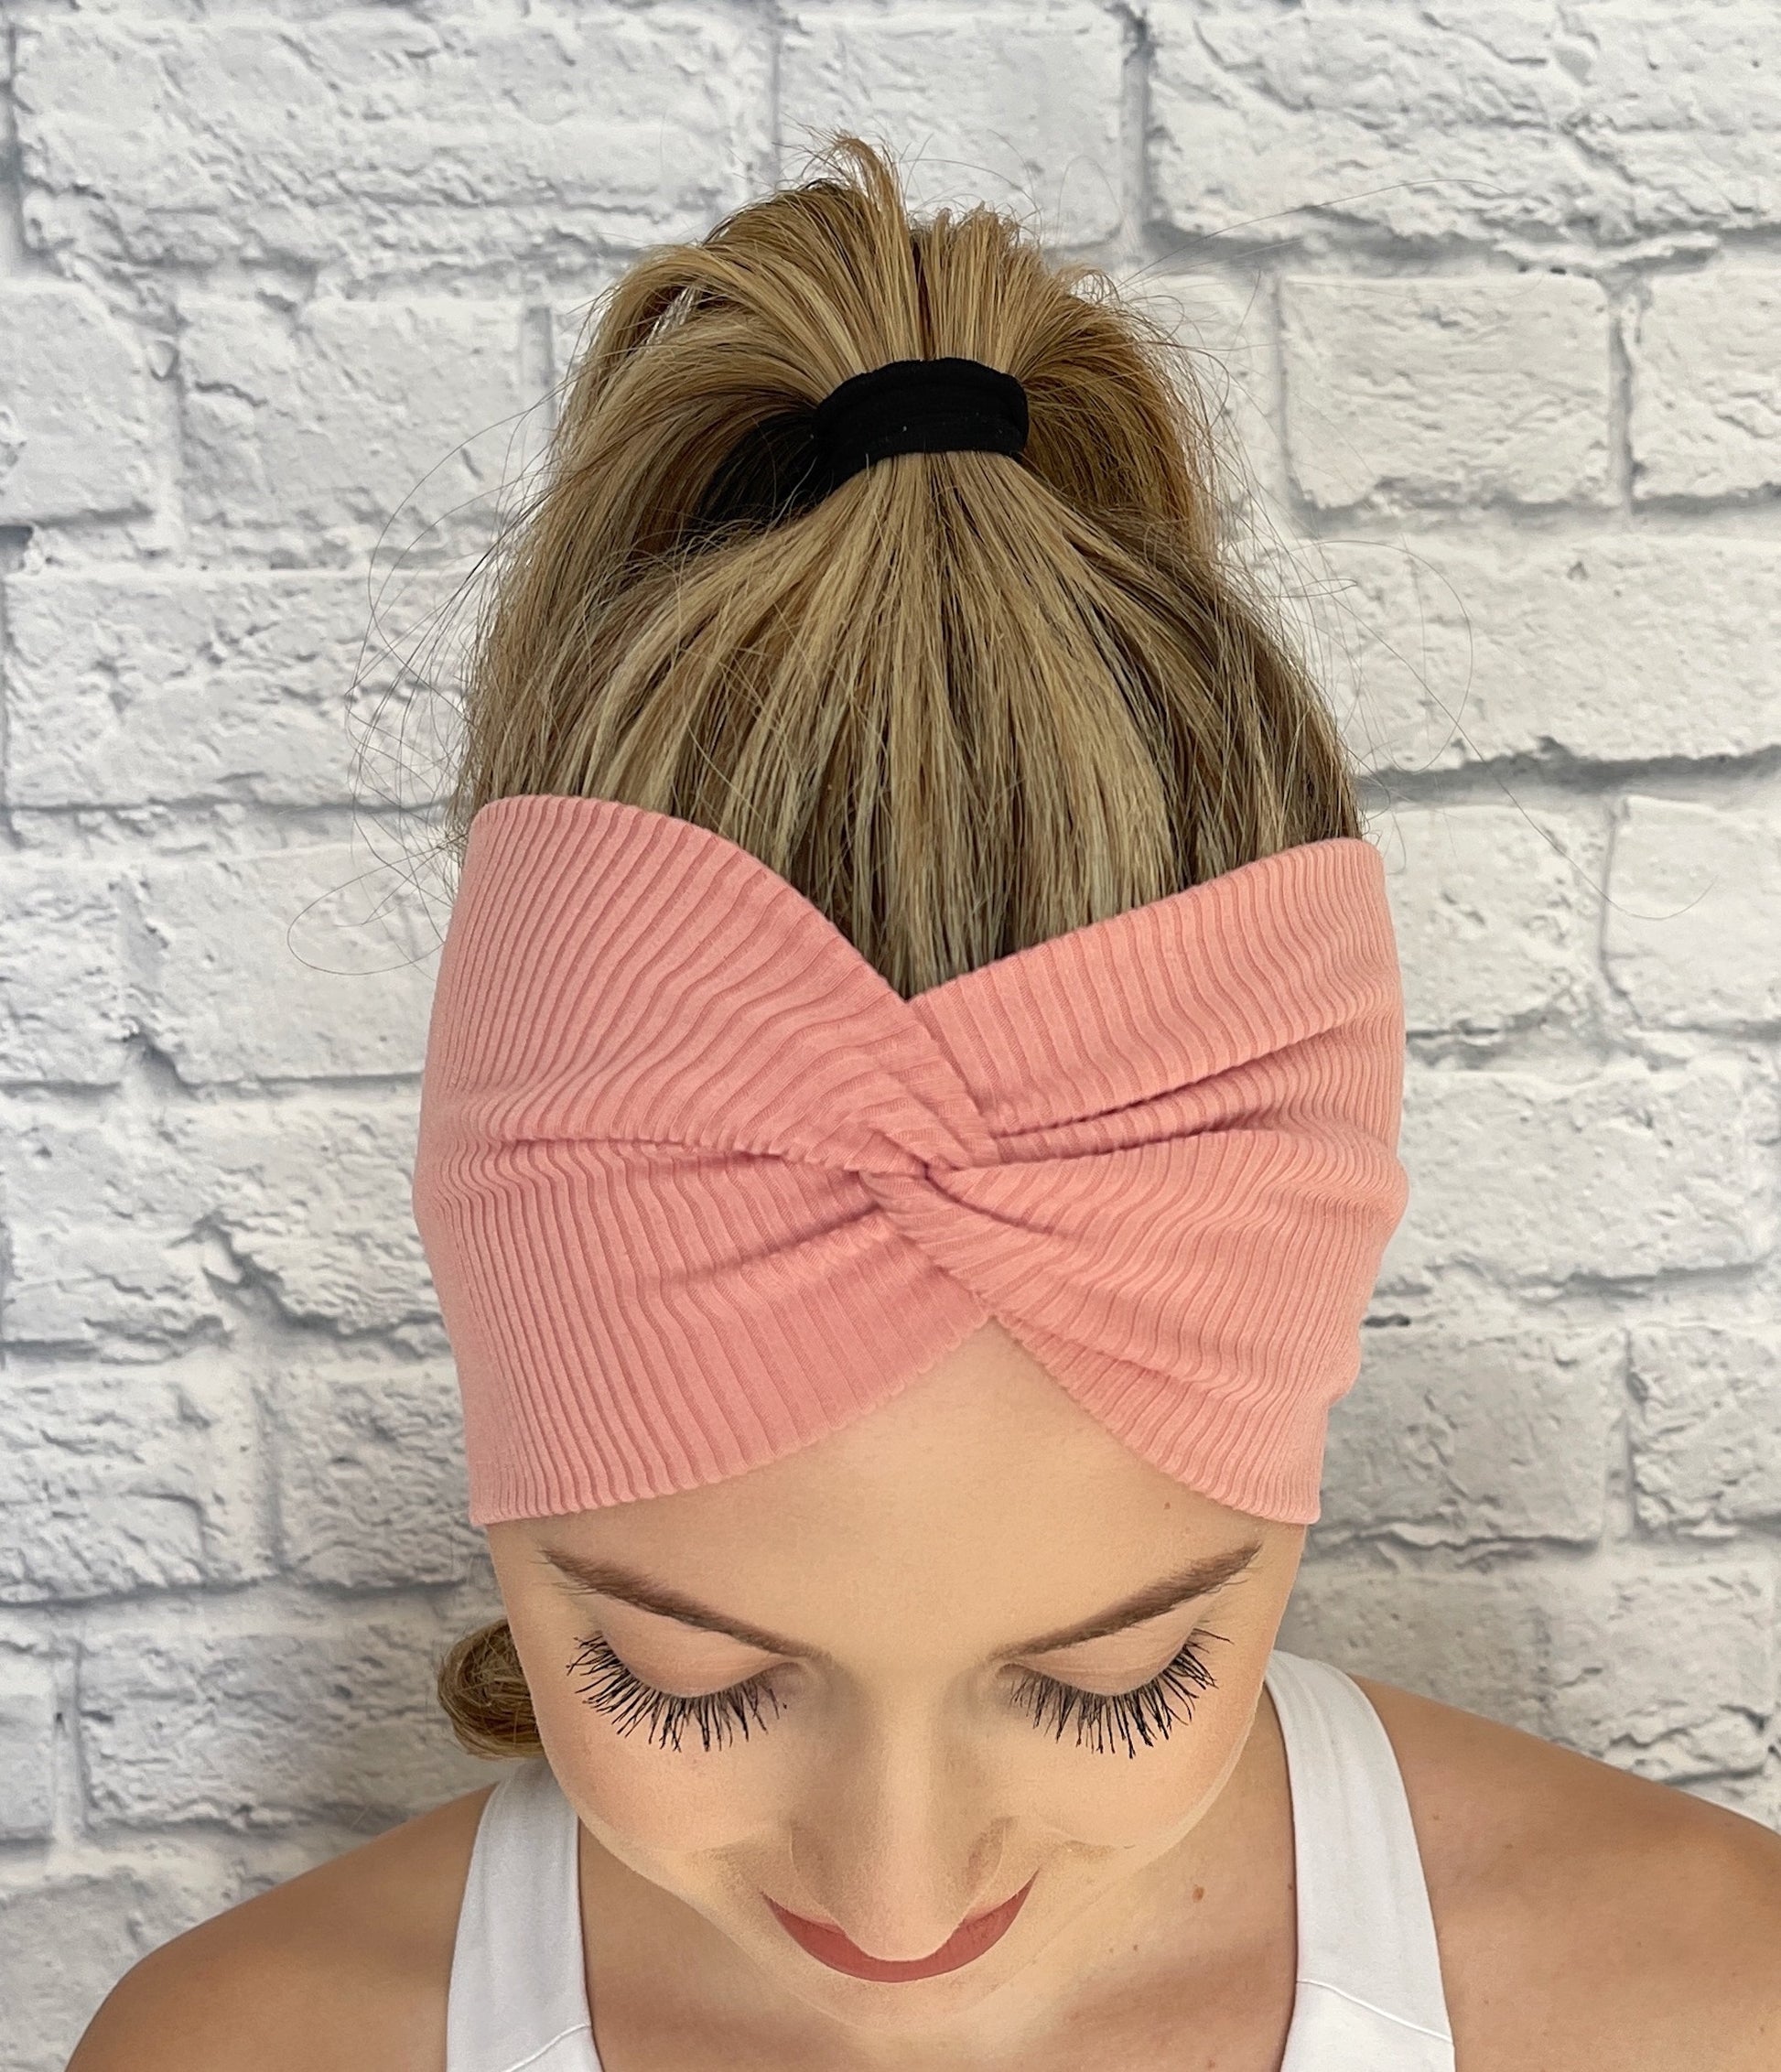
column 1609, row 650
column 1706, row 396
column 1446, row 389
column 1020, row 106
column 1473, row 1641
column 1488, row 124
column 303, row 963
column 181, row 688
column 76, row 428
column 1694, row 913
column 27, row 1747
column 1448, row 1440
column 1495, row 912
column 1670, row 1672
column 349, row 428
column 262, row 1725
column 1684, row 111
column 374, row 143
column 103, row 1224
column 1629, row 1172
column 369, row 1474
column 312, row 1197
column 1706, row 1427
column 64, row 1943
column 135, row 1227
column 117, row 1479
column 61, row 982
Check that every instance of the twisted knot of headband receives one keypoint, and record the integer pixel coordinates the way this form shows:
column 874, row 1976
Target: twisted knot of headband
column 699, row 1186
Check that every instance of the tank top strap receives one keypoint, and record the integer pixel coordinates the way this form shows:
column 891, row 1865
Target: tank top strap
column 1370, row 1994
column 519, row 1989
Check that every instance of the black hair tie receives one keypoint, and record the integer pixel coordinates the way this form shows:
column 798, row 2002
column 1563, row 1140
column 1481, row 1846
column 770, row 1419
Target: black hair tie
column 791, row 461
column 917, row 406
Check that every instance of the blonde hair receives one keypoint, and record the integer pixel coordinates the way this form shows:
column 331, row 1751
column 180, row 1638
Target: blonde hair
column 966, row 702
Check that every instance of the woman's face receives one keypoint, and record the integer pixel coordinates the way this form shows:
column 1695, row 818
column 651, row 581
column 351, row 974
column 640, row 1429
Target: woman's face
column 900, row 1735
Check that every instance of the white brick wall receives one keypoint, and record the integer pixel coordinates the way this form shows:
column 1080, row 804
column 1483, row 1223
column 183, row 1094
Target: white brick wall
column 1503, row 360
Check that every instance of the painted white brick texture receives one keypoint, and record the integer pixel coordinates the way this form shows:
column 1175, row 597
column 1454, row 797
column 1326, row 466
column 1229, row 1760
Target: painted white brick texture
column 68, row 453
column 1447, row 391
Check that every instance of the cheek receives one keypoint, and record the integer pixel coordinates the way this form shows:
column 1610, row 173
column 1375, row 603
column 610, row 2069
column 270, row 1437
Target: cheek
column 1157, row 1798
column 1107, row 1800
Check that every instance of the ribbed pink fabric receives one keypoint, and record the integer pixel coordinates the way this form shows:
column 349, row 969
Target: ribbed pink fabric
column 699, row 1187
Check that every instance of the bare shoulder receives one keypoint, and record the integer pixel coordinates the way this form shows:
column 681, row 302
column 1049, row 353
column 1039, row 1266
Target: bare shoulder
column 344, row 1966
column 1588, row 1919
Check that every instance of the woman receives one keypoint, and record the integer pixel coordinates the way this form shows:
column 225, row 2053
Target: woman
column 908, row 1137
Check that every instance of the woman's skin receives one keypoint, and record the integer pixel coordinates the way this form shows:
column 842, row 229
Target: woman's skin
column 901, row 1580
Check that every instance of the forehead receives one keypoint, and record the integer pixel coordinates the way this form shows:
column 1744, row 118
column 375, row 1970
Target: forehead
column 981, row 1503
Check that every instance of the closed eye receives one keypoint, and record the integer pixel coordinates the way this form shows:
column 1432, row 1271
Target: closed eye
column 1128, row 1720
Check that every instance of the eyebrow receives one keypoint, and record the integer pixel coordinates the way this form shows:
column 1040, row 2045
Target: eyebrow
column 611, row 1578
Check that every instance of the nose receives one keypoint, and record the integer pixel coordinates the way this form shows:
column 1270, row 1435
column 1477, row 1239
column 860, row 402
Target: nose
column 898, row 1842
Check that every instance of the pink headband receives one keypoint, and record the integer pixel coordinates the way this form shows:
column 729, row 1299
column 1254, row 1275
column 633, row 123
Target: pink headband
column 699, row 1186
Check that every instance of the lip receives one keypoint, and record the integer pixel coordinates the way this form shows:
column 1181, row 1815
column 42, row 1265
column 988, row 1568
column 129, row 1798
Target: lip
column 966, row 1943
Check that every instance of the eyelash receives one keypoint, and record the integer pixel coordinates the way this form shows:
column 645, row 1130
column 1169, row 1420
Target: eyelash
column 1146, row 1715
column 608, row 1687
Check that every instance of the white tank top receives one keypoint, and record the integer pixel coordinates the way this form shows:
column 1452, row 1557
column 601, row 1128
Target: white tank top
column 1369, row 1995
